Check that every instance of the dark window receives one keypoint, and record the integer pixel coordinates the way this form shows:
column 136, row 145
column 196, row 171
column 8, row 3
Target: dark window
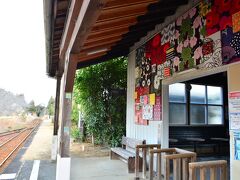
column 203, row 105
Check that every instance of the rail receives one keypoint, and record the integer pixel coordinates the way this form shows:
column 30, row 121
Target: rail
column 145, row 148
column 31, row 129
column 180, row 158
column 212, row 166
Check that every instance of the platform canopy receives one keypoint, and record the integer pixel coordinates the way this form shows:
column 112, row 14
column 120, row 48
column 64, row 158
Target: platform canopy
column 99, row 30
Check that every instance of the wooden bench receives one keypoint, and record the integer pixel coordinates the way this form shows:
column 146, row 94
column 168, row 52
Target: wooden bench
column 127, row 152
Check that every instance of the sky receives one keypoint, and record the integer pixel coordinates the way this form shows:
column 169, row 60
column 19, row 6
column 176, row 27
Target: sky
column 22, row 51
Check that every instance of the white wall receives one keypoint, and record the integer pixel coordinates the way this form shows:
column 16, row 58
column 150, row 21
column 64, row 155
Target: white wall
column 150, row 132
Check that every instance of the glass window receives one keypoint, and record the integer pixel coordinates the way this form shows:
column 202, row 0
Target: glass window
column 214, row 95
column 198, row 114
column 177, row 92
column 215, row 115
column 177, row 113
column 198, row 94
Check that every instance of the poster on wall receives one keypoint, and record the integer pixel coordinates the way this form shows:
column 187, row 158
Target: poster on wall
column 236, row 136
column 234, row 110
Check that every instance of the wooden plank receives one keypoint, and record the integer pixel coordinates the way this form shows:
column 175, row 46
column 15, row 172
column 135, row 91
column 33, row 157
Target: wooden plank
column 110, row 14
column 213, row 173
column 70, row 73
column 117, row 3
column 103, row 38
column 223, row 172
column 82, row 58
column 103, row 32
column 97, row 48
column 129, row 20
column 99, row 44
column 62, row 5
column 167, row 169
column 144, row 169
column 137, row 163
column 103, row 35
column 177, row 169
column 203, row 173
column 85, row 23
column 57, row 104
column 159, row 166
column 192, row 173
column 110, row 28
column 73, row 13
column 185, row 174
column 151, row 166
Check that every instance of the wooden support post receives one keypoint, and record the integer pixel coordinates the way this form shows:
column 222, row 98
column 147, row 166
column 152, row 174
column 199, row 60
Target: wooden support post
column 159, row 166
column 137, row 164
column 151, row 166
column 185, row 162
column 144, row 151
column 223, row 172
column 202, row 173
column 192, row 173
column 213, row 173
column 56, row 113
column 167, row 169
column 177, row 169
column 66, row 104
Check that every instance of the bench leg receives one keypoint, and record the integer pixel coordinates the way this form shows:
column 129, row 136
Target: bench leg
column 113, row 155
column 131, row 165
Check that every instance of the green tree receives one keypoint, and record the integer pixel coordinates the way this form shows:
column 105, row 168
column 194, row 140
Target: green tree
column 100, row 91
column 50, row 106
column 40, row 110
column 31, row 107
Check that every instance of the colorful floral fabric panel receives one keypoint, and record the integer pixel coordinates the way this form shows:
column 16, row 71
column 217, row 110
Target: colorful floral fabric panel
column 147, row 113
column 168, row 33
column 230, row 46
column 212, row 52
column 236, row 22
column 190, row 30
column 157, row 109
column 220, row 15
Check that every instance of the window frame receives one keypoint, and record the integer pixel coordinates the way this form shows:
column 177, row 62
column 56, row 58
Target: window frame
column 188, row 107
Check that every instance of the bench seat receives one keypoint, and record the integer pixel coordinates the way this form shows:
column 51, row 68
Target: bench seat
column 127, row 153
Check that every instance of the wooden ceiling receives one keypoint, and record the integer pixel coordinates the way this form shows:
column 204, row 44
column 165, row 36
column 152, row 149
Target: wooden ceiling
column 118, row 26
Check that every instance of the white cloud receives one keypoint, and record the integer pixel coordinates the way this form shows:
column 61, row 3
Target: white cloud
column 22, row 50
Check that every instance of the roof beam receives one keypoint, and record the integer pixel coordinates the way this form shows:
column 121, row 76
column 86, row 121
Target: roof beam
column 73, row 13
column 85, row 23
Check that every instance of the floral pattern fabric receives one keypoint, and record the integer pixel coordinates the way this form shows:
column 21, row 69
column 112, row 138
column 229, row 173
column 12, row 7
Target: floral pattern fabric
column 205, row 37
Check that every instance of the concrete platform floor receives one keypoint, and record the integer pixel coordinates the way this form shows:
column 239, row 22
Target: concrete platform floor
column 40, row 148
column 99, row 168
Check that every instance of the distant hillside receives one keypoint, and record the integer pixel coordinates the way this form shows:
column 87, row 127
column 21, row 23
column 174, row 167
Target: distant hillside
column 11, row 104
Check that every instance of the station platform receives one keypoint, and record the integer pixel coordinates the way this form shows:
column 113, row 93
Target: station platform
column 33, row 161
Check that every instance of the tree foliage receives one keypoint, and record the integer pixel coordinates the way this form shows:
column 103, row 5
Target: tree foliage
column 50, row 106
column 31, row 108
column 100, row 91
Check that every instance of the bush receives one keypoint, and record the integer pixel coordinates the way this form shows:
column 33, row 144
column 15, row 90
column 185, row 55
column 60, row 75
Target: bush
column 76, row 134
column 100, row 90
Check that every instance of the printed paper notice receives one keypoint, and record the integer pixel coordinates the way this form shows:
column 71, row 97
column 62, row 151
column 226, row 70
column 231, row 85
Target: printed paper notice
column 234, row 102
column 234, row 120
column 234, row 110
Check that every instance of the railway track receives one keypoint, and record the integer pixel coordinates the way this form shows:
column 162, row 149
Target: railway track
column 14, row 140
